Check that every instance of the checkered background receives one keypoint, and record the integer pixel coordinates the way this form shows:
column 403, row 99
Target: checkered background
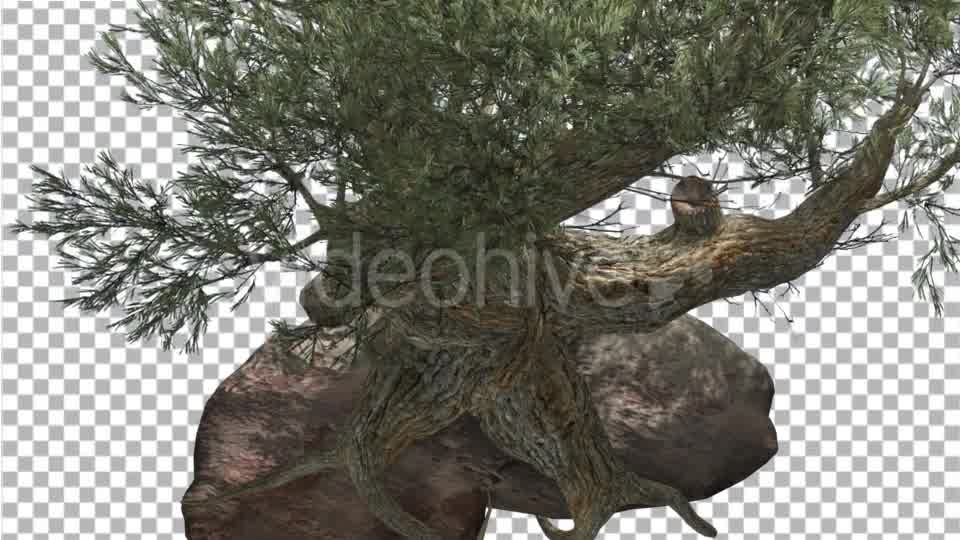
column 97, row 435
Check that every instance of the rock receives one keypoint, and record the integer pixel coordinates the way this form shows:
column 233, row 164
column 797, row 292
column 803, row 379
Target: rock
column 683, row 405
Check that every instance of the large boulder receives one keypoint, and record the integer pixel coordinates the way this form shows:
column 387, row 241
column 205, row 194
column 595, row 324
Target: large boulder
column 682, row 405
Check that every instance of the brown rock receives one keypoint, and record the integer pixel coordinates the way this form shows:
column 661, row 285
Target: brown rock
column 683, row 405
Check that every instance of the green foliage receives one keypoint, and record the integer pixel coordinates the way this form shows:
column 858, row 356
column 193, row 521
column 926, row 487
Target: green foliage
column 920, row 150
column 445, row 117
column 112, row 202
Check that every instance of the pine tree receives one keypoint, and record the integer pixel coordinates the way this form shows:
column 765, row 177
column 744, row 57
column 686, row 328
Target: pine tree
column 440, row 123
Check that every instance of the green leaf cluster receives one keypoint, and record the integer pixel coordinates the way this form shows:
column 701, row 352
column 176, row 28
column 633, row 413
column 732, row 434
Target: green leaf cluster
column 449, row 117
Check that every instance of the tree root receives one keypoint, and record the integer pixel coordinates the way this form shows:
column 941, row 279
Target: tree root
column 545, row 417
column 636, row 491
column 407, row 397
column 404, row 401
column 366, row 472
column 305, row 466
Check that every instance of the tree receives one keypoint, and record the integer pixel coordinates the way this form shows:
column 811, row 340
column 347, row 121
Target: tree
column 454, row 124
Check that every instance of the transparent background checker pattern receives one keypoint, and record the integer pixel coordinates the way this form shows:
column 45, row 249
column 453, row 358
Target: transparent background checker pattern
column 97, row 434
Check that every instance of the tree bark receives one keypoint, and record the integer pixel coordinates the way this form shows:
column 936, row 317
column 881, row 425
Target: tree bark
column 683, row 406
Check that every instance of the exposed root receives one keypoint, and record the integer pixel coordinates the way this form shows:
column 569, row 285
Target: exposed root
column 545, row 417
column 553, row 533
column 646, row 492
column 585, row 527
column 631, row 491
column 307, row 465
column 366, row 472
column 685, row 510
column 401, row 404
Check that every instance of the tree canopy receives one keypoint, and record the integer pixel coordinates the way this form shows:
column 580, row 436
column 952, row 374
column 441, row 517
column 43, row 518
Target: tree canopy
column 445, row 118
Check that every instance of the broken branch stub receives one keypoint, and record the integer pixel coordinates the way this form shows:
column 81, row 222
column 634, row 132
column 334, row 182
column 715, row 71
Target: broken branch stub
column 695, row 206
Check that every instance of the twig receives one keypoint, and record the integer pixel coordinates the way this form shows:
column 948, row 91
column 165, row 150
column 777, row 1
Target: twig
column 258, row 258
column 913, row 188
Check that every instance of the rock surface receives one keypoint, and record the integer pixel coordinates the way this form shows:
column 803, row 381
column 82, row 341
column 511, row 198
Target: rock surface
column 683, row 405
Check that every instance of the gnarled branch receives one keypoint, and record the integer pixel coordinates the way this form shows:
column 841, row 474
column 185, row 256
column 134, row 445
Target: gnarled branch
column 645, row 282
column 641, row 283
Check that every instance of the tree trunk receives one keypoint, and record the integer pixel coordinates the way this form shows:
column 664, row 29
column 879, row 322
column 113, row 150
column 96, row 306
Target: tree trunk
column 683, row 406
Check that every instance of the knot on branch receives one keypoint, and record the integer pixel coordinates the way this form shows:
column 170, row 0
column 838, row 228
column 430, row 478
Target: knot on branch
column 695, row 206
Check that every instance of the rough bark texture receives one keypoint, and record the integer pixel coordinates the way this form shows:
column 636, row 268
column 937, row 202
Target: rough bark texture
column 682, row 406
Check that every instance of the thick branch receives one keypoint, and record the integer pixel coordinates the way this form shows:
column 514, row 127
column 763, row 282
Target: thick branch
column 595, row 182
column 642, row 283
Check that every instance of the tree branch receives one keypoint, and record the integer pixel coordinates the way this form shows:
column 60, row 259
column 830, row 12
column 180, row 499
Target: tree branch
column 313, row 238
column 917, row 186
column 642, row 283
column 606, row 284
column 596, row 182
column 595, row 179
column 295, row 180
